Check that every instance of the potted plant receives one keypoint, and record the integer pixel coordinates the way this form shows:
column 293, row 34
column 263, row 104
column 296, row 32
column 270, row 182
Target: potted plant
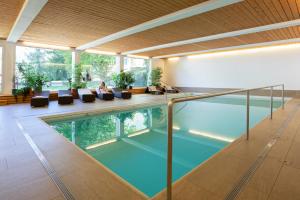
column 123, row 80
column 32, row 79
column 78, row 80
column 39, row 81
column 155, row 76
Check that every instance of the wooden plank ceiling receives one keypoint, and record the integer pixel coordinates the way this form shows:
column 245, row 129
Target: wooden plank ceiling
column 247, row 14
column 9, row 10
column 254, row 38
column 76, row 22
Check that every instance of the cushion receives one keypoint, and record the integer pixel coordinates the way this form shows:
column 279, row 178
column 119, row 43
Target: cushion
column 169, row 88
column 152, row 88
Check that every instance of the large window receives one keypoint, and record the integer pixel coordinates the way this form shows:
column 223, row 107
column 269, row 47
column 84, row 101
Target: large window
column 1, row 71
column 98, row 67
column 140, row 69
column 56, row 65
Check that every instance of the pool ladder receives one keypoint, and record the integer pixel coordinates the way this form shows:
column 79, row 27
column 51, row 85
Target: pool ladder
column 174, row 101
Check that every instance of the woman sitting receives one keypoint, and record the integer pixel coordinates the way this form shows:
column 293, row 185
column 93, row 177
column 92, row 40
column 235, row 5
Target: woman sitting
column 103, row 92
column 103, row 88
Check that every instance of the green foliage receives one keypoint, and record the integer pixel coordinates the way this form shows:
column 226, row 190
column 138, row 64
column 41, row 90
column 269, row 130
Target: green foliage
column 100, row 66
column 140, row 76
column 17, row 92
column 32, row 78
column 155, row 76
column 123, row 79
column 78, row 80
column 88, row 131
column 54, row 64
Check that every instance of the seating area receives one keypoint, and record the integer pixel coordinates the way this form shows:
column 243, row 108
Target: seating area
column 149, row 99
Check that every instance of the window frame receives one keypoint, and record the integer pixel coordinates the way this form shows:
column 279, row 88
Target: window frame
column 148, row 68
column 114, row 68
column 43, row 48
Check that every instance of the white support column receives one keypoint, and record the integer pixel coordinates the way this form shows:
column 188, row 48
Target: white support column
column 73, row 131
column 8, row 66
column 75, row 61
column 150, row 121
column 119, row 128
column 120, row 62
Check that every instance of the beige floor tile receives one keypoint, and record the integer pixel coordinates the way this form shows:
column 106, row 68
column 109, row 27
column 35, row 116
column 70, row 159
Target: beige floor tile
column 21, row 175
column 251, row 194
column 247, row 149
column 21, row 159
column 219, row 175
column 38, row 189
column 60, row 197
column 287, row 185
column 188, row 191
column 265, row 176
column 280, row 149
column 3, row 165
column 293, row 158
column 93, row 186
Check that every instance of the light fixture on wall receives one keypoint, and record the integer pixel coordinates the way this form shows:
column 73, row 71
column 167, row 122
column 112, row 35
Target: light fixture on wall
column 45, row 46
column 239, row 51
column 173, row 58
column 100, row 52
column 136, row 56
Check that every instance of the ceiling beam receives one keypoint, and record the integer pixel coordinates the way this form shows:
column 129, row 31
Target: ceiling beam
column 172, row 17
column 232, row 48
column 29, row 11
column 219, row 36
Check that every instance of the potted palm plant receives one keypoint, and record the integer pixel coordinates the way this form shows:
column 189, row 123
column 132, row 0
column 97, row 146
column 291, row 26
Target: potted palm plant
column 155, row 76
column 123, row 80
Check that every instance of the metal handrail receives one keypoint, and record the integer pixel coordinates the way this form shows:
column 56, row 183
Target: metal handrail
column 173, row 101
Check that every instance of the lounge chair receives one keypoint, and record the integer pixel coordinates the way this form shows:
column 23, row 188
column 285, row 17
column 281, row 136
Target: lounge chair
column 154, row 90
column 119, row 93
column 85, row 95
column 65, row 97
column 169, row 89
column 104, row 95
column 40, row 99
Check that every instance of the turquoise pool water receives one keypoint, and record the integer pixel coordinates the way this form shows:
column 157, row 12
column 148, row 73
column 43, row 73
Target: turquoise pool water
column 133, row 144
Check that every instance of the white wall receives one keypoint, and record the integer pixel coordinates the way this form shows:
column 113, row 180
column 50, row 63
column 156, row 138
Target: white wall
column 239, row 69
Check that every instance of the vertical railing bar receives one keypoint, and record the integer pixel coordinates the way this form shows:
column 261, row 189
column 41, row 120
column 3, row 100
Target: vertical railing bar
column 282, row 94
column 248, row 113
column 170, row 150
column 271, row 103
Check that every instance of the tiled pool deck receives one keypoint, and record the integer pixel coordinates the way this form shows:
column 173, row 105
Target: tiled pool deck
column 22, row 176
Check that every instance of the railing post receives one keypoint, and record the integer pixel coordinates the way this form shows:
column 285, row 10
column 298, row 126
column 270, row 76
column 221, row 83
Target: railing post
column 170, row 150
column 271, row 103
column 248, row 113
column 282, row 95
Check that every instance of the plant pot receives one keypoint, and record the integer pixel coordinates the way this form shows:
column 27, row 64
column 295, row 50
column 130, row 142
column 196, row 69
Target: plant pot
column 14, row 92
column 75, row 93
